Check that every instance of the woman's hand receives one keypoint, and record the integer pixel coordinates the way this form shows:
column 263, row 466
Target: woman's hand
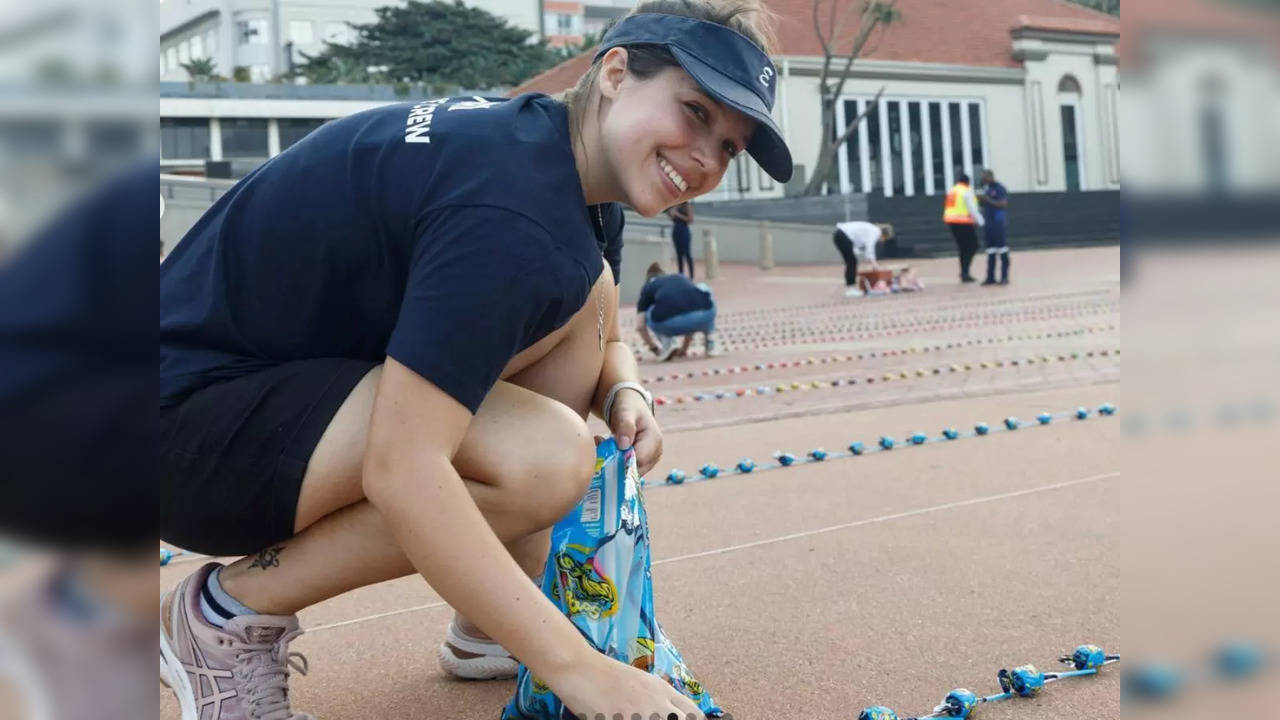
column 606, row 687
column 633, row 424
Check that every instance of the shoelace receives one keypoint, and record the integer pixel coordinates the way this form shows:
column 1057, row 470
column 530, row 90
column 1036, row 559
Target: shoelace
column 265, row 673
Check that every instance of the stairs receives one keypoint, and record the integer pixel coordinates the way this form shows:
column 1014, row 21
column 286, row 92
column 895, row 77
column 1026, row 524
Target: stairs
column 1036, row 220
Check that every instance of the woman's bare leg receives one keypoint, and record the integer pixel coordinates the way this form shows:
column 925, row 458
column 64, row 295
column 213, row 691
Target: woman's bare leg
column 520, row 486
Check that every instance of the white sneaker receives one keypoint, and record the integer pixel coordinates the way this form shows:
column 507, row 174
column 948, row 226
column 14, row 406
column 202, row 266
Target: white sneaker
column 463, row 656
column 853, row 292
column 666, row 346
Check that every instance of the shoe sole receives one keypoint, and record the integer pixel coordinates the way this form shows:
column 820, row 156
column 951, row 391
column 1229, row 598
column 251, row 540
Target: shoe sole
column 174, row 677
column 485, row 667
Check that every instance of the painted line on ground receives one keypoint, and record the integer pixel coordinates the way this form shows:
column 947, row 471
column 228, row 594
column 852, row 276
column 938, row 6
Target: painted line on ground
column 779, row 539
column 893, row 516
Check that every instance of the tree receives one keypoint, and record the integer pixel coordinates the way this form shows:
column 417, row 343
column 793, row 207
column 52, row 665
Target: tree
column 870, row 15
column 1111, row 7
column 201, row 70
column 433, row 42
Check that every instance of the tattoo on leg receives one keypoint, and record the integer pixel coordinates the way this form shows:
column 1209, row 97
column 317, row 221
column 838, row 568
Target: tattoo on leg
column 267, row 558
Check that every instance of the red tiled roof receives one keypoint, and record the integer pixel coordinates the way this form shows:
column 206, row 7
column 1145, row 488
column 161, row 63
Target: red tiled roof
column 957, row 32
column 561, row 77
column 1090, row 26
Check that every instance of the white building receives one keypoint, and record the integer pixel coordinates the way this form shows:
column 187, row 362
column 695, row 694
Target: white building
column 1026, row 87
column 250, row 123
column 254, row 33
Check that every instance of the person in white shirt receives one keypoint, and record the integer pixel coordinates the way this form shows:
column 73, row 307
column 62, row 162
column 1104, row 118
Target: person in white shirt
column 854, row 240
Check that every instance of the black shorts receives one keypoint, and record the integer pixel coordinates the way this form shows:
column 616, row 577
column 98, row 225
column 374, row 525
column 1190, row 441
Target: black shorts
column 233, row 454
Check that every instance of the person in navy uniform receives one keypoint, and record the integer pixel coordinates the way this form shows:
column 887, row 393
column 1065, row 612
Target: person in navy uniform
column 681, row 218
column 995, row 201
column 379, row 349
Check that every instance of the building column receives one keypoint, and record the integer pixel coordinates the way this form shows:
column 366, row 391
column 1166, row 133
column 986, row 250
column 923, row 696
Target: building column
column 215, row 139
column 273, row 137
column 886, row 156
column 228, row 42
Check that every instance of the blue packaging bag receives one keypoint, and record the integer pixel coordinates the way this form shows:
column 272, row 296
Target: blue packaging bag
column 598, row 575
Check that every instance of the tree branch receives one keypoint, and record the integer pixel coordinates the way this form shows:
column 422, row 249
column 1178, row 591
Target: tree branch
column 872, row 16
column 817, row 28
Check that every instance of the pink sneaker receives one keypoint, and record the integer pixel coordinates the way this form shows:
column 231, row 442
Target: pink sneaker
column 240, row 672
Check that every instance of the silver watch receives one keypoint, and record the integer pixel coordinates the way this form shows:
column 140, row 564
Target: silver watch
column 613, row 394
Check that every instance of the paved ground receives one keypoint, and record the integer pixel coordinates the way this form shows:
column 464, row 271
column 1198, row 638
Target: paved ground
column 885, row 579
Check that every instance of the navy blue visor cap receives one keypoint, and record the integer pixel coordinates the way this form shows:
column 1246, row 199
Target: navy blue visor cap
column 728, row 66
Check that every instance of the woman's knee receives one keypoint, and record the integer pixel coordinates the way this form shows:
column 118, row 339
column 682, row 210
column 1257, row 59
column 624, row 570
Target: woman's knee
column 563, row 474
column 537, row 455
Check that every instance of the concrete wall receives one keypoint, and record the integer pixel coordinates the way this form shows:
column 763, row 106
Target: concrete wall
column 815, row 210
column 738, row 241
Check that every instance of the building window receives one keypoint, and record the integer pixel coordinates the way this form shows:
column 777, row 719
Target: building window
column 742, row 173
column 184, row 138
column 911, row 146
column 254, row 31
column 171, row 58
column 917, row 147
column 957, row 139
column 211, row 42
column 977, row 153
column 336, row 33
column 197, row 47
column 244, row 138
column 301, row 32
column 939, row 159
column 1072, row 140
column 852, row 148
column 164, row 66
column 563, row 23
column 1071, row 148
column 895, row 148
column 294, row 129
column 184, row 53
column 872, row 143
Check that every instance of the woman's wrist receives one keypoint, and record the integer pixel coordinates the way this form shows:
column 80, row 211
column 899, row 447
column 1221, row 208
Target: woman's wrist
column 565, row 661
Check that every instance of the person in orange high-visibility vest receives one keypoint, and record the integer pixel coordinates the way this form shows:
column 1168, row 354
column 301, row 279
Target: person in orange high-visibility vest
column 961, row 215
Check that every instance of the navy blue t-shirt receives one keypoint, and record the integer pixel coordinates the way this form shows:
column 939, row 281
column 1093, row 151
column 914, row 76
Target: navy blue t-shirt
column 449, row 234
column 994, row 191
column 671, row 295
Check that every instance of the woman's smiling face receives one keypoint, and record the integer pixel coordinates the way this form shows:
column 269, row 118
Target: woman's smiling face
column 664, row 140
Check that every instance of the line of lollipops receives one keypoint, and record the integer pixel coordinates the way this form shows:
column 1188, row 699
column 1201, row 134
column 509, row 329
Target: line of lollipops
column 919, row 318
column 871, row 379
column 1022, row 681
column 872, row 354
column 952, row 304
column 886, row 443
column 755, row 340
